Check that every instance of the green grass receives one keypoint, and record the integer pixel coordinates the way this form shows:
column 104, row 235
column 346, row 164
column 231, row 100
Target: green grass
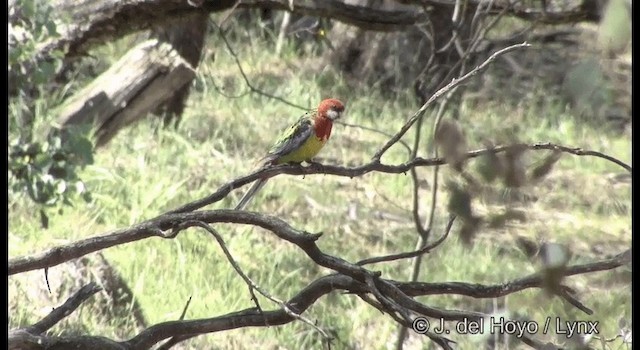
column 147, row 170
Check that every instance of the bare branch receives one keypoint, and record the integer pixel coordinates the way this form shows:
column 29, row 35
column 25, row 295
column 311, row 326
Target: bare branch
column 394, row 293
column 412, row 254
column 381, row 132
column 65, row 309
column 492, row 291
column 443, row 91
column 586, row 10
column 373, row 166
column 575, row 302
column 244, row 76
column 245, row 318
column 326, row 284
column 156, row 227
column 251, row 284
column 95, row 23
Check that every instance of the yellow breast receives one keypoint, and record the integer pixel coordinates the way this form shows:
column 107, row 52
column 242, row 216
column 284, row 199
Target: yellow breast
column 308, row 150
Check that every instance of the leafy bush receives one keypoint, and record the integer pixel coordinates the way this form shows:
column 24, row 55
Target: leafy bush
column 47, row 171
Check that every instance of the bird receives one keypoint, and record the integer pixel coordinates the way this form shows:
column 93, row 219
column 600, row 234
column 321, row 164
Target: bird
column 300, row 142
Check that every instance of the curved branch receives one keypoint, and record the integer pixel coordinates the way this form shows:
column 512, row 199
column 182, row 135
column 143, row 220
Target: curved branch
column 454, row 83
column 412, row 254
column 31, row 338
column 157, row 226
column 94, row 23
column 587, row 10
column 245, row 318
column 65, row 309
column 397, row 292
column 375, row 166
column 498, row 290
column 111, row 19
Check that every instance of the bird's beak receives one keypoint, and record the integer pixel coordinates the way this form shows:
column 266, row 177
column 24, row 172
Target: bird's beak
column 333, row 114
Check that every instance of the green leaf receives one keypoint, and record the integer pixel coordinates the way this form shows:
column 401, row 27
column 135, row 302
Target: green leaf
column 51, row 28
column 83, row 148
column 546, row 166
column 44, row 219
column 459, row 201
column 489, row 166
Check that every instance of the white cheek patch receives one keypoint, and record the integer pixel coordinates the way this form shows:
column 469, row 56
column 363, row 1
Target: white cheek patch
column 333, row 114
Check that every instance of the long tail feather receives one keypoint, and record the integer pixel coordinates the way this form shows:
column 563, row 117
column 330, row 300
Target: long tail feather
column 250, row 193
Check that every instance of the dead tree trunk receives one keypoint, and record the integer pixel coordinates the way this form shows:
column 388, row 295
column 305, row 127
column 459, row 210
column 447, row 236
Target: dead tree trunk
column 145, row 77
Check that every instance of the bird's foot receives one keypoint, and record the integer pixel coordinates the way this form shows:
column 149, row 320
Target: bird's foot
column 314, row 164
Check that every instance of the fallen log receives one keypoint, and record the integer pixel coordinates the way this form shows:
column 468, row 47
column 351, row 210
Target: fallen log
column 144, row 78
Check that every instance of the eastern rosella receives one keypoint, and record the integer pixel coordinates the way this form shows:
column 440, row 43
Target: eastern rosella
column 300, row 142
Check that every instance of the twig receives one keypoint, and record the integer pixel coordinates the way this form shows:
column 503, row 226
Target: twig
column 580, row 152
column 412, row 254
column 175, row 340
column 373, row 166
column 423, row 233
column 65, row 309
column 390, row 305
column 244, row 76
column 575, row 302
column 442, row 91
column 184, row 311
column 250, row 283
column 383, row 133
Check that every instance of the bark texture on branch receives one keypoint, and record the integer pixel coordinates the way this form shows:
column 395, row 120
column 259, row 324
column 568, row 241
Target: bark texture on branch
column 144, row 78
column 95, row 22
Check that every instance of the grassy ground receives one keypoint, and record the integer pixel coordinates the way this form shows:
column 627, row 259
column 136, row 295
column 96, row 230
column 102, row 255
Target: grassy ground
column 146, row 170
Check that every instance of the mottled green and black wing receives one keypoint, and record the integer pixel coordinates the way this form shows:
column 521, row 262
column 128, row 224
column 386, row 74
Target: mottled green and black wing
column 291, row 139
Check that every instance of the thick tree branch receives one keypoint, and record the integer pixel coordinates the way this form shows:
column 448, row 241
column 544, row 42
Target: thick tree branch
column 587, row 10
column 245, row 318
column 498, row 290
column 94, row 23
column 376, row 166
column 155, row 227
column 30, row 337
column 65, row 309
column 305, row 298
column 390, row 293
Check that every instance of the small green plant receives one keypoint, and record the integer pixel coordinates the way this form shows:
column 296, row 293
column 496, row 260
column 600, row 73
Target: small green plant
column 45, row 170
column 30, row 25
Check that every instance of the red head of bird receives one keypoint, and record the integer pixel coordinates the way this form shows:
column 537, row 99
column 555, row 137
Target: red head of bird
column 328, row 111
